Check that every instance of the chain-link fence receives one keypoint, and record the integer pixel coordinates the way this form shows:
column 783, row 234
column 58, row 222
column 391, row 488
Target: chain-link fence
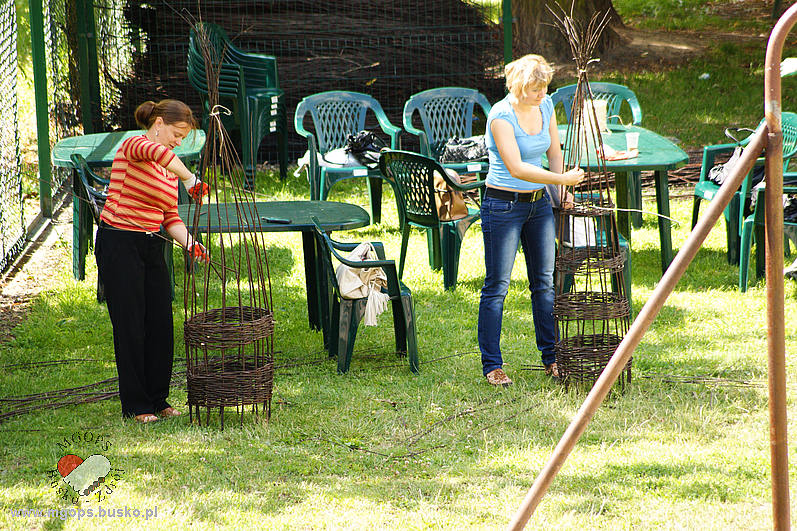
column 63, row 76
column 12, row 225
column 389, row 50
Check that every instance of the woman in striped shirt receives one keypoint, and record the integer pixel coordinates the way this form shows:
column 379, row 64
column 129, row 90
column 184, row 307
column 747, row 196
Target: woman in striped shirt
column 142, row 197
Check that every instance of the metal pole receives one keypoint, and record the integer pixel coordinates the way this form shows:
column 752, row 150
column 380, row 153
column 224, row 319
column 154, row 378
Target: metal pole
column 640, row 325
column 776, row 337
column 506, row 17
column 42, row 108
column 91, row 116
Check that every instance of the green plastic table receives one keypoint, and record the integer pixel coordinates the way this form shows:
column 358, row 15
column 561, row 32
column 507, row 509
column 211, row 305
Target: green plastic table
column 656, row 154
column 99, row 150
column 222, row 217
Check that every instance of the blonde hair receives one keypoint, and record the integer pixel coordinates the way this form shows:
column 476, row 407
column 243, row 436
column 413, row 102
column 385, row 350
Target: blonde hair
column 530, row 71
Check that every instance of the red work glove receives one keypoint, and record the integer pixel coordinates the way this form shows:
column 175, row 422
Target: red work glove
column 198, row 191
column 198, row 252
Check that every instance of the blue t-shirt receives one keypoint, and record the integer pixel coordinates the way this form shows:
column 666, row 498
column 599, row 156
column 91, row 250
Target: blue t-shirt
column 532, row 147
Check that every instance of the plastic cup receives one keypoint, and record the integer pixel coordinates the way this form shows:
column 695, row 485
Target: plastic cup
column 631, row 141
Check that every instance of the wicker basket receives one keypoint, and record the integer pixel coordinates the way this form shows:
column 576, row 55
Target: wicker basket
column 229, row 362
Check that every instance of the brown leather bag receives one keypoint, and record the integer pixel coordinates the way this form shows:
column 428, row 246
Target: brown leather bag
column 450, row 203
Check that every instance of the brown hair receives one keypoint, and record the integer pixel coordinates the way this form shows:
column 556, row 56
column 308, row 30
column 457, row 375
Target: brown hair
column 172, row 112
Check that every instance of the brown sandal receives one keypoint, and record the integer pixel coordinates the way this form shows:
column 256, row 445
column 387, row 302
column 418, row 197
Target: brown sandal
column 552, row 370
column 146, row 418
column 169, row 412
column 498, row 377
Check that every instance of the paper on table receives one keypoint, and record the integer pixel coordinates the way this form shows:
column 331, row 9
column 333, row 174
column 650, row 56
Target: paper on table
column 612, row 154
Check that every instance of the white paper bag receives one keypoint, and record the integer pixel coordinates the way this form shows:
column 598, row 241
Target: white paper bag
column 358, row 283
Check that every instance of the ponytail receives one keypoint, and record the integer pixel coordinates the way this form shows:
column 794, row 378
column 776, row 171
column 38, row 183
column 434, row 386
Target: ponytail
column 172, row 112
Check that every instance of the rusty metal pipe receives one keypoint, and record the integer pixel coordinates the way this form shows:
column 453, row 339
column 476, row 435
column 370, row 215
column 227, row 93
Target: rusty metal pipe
column 640, row 325
column 776, row 336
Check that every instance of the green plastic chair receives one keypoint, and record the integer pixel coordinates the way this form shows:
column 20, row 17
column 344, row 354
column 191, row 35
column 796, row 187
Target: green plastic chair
column 414, row 178
column 753, row 229
column 444, row 113
column 615, row 96
column 347, row 313
column 739, row 208
column 247, row 85
column 334, row 116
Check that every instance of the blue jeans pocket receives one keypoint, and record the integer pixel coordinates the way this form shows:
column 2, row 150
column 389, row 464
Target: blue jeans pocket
column 498, row 206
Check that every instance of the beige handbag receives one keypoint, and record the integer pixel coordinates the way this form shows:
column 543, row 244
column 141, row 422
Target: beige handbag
column 450, row 203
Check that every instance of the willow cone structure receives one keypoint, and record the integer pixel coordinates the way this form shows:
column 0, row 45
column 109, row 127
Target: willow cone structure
column 591, row 308
column 767, row 139
column 229, row 322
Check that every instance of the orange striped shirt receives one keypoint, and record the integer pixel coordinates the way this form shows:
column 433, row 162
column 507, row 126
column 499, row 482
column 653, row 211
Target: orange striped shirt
column 142, row 194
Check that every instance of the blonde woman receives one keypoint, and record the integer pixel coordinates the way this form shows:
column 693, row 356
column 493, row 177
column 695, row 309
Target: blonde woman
column 516, row 209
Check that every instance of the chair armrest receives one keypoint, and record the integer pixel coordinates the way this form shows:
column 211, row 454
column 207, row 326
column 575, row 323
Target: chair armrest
column 789, row 178
column 709, row 156
column 420, row 133
column 358, row 264
column 390, row 130
column 462, row 187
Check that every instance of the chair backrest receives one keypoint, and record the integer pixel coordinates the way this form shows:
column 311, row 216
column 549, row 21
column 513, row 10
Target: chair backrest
column 258, row 70
column 335, row 115
column 615, row 95
column 789, row 129
column 325, row 245
column 89, row 179
column 413, row 175
column 201, row 43
column 444, row 112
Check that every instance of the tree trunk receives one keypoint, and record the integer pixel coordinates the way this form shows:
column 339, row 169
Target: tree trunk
column 534, row 31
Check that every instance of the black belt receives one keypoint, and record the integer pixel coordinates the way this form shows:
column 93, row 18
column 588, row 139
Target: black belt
column 522, row 197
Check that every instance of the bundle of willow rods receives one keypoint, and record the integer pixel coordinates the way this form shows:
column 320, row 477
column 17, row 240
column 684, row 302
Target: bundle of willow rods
column 389, row 50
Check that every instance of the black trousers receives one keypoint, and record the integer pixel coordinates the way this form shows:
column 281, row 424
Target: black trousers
column 138, row 295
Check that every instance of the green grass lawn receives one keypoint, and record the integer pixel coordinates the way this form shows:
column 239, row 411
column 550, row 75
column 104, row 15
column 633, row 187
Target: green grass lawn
column 685, row 446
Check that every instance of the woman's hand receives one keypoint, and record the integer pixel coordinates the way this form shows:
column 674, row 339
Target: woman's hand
column 198, row 191
column 199, row 252
column 572, row 177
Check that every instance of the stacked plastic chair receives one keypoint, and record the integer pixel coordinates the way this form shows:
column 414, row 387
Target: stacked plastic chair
column 591, row 308
column 248, row 89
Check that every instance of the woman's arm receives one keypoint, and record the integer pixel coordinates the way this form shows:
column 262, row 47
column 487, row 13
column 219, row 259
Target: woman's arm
column 504, row 136
column 555, row 157
column 179, row 232
column 177, row 167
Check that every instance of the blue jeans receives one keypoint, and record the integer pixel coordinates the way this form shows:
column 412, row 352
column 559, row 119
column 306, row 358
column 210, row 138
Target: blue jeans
column 504, row 224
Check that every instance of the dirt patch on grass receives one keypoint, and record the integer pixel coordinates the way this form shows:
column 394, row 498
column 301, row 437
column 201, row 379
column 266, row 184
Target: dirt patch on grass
column 42, row 262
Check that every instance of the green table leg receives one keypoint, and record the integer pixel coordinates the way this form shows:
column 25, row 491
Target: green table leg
column 663, row 207
column 623, row 200
column 311, row 279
